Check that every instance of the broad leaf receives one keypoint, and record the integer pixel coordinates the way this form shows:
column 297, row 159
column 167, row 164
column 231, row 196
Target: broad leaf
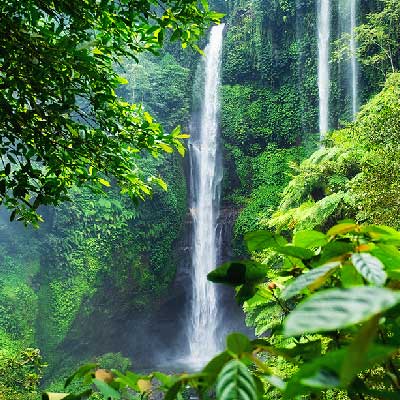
column 343, row 228
column 238, row 273
column 260, row 240
column 236, row 383
column 383, row 234
column 338, row 308
column 80, row 372
column 370, row 267
column 350, row 276
column 213, row 368
column 106, row 390
column 390, row 257
column 322, row 379
column 357, row 352
column 314, row 278
column 238, row 343
column 335, row 251
column 309, row 239
column 297, row 252
column 326, row 369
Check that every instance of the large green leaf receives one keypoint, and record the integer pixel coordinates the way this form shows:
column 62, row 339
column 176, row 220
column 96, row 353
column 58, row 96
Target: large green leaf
column 237, row 343
column 383, row 234
column 338, row 308
column 341, row 229
column 309, row 239
column 260, row 240
column 236, row 383
column 214, row 367
column 335, row 250
column 390, row 257
column 314, row 278
column 357, row 352
column 297, row 252
column 80, row 372
column 324, row 371
column 370, row 267
column 350, row 276
column 106, row 390
column 238, row 273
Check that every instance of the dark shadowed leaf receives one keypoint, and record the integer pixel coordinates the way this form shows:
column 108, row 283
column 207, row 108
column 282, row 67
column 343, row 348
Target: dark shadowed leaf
column 238, row 273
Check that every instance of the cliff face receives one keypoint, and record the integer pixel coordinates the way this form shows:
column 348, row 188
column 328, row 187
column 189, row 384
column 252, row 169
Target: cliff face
column 270, row 101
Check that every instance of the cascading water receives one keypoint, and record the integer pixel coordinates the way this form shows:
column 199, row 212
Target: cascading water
column 205, row 185
column 324, row 21
column 353, row 59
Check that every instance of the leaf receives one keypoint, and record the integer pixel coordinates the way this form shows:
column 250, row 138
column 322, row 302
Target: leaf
column 383, row 234
column 245, row 292
column 276, row 381
column 332, row 362
column 350, row 276
column 315, row 278
column 80, row 372
column 307, row 351
column 260, row 240
column 174, row 390
column 390, row 257
column 213, row 368
column 238, row 273
column 341, row 229
column 106, row 390
column 104, row 182
column 336, row 250
column 309, row 239
column 238, row 343
column 370, row 267
column 54, row 396
column 357, row 352
column 323, row 379
column 297, row 252
column 235, row 383
column 121, row 80
column 338, row 308
column 166, row 147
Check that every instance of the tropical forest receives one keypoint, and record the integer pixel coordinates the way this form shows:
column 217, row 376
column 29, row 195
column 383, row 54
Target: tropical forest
column 199, row 199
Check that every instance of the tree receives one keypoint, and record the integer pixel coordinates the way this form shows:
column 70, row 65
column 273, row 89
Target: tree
column 379, row 37
column 62, row 122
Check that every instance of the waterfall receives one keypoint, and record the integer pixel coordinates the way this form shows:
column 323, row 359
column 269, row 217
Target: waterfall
column 205, row 187
column 324, row 20
column 353, row 60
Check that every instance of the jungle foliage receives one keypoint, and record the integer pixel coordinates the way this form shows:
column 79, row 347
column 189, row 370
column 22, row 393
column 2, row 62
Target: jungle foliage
column 63, row 123
column 329, row 303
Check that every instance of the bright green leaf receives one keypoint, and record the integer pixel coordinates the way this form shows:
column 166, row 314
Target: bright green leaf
column 338, row 308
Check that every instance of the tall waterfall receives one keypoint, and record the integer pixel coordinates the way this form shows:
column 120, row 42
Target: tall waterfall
column 206, row 177
column 324, row 21
column 353, row 59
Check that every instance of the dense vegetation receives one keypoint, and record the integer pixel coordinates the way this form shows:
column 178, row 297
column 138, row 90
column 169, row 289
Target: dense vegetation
column 319, row 275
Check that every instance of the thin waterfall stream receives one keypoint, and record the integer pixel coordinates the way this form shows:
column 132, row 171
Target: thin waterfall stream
column 353, row 59
column 324, row 21
column 206, row 174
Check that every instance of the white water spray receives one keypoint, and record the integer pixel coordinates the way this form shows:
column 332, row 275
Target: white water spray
column 324, row 21
column 206, row 178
